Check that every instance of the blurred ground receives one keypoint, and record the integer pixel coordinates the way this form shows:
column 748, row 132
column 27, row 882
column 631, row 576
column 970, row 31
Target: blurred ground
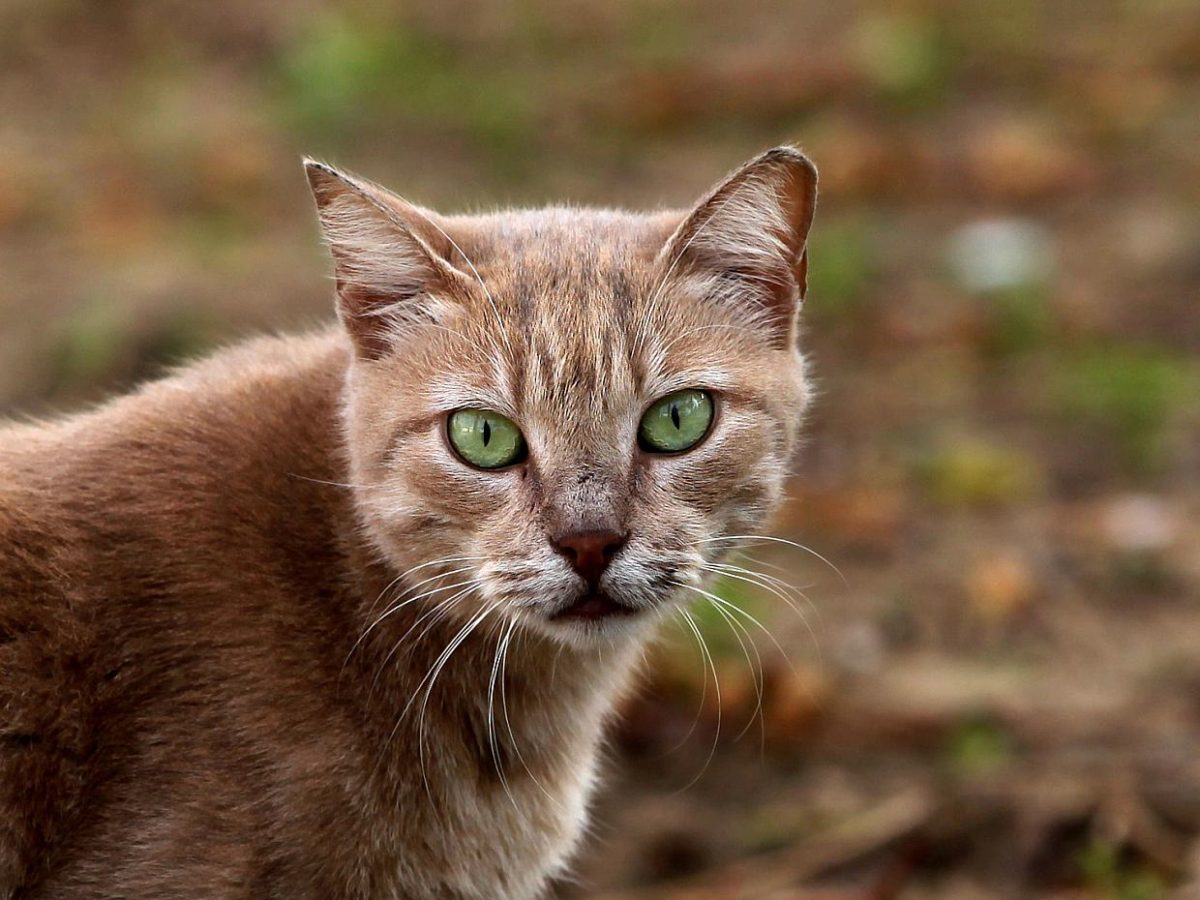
column 1000, row 695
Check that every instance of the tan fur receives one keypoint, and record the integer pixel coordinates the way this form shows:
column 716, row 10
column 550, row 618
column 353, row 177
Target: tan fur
column 221, row 597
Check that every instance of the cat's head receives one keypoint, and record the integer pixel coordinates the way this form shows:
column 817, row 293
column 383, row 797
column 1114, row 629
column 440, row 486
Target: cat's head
column 565, row 415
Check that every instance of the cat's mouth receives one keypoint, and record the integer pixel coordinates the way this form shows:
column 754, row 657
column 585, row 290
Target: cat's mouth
column 592, row 607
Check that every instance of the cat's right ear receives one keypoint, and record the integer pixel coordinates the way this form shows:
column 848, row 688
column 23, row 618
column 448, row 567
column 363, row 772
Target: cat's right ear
column 390, row 259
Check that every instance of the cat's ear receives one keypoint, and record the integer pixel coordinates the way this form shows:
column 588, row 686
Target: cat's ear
column 747, row 240
column 390, row 258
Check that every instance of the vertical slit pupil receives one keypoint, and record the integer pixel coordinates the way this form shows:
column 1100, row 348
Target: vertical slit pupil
column 675, row 415
column 487, row 432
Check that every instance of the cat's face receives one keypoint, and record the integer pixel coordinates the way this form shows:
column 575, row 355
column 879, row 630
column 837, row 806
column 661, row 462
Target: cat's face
column 564, row 416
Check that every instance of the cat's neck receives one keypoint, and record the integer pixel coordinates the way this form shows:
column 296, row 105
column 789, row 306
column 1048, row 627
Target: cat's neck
column 470, row 733
column 500, row 702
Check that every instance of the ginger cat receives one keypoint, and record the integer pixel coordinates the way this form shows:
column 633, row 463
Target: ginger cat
column 343, row 615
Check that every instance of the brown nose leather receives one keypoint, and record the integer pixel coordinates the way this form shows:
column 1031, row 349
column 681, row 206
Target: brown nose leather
column 589, row 552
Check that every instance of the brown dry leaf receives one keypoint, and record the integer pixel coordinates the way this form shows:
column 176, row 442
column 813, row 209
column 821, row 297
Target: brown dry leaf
column 118, row 213
column 866, row 515
column 1024, row 160
column 794, row 701
column 858, row 160
column 1000, row 587
column 240, row 165
column 17, row 192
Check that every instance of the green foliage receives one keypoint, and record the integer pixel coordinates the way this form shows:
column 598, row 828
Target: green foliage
column 1108, row 873
column 979, row 746
column 342, row 73
column 90, row 344
column 840, row 267
column 973, row 473
column 1019, row 321
column 1131, row 395
column 906, row 57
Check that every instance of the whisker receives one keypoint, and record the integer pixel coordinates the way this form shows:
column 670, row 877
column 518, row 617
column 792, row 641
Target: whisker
column 434, row 615
column 501, row 653
column 341, row 484
column 776, row 540
column 737, row 573
column 719, row 569
column 513, row 737
column 756, row 674
column 417, row 568
column 716, row 686
column 721, row 601
column 396, row 607
column 431, row 677
column 699, row 706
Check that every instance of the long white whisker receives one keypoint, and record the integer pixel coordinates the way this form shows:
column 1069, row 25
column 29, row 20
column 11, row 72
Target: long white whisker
column 716, row 686
column 341, row 484
column 737, row 573
column 777, row 540
column 393, row 608
column 737, row 629
column 737, row 610
column 433, row 614
column 417, row 568
column 501, row 653
column 777, row 588
column 513, row 737
column 430, row 678
column 781, row 583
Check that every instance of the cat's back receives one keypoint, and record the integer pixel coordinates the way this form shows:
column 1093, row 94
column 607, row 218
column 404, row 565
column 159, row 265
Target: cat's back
column 99, row 514
column 46, row 687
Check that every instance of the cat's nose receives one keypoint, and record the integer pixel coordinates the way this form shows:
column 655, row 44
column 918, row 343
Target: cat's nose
column 589, row 552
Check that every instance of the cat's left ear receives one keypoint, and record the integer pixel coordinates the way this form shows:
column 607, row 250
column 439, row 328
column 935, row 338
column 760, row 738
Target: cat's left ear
column 747, row 240
column 391, row 259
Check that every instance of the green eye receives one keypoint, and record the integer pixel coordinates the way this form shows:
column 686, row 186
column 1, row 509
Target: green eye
column 676, row 422
column 485, row 438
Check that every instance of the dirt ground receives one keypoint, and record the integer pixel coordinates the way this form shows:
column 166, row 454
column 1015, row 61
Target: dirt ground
column 983, row 679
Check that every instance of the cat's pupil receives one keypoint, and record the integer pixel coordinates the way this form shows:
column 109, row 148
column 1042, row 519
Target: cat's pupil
column 487, row 432
column 675, row 415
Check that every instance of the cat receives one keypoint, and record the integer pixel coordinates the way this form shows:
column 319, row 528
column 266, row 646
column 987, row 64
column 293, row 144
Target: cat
column 343, row 615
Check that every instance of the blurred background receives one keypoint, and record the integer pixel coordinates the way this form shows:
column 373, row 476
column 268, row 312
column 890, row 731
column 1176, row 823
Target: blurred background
column 992, row 687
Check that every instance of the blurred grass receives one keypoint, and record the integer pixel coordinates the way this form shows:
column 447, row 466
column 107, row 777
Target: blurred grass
column 906, row 57
column 344, row 74
column 841, row 266
column 1108, row 872
column 974, row 473
column 1129, row 395
column 979, row 747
